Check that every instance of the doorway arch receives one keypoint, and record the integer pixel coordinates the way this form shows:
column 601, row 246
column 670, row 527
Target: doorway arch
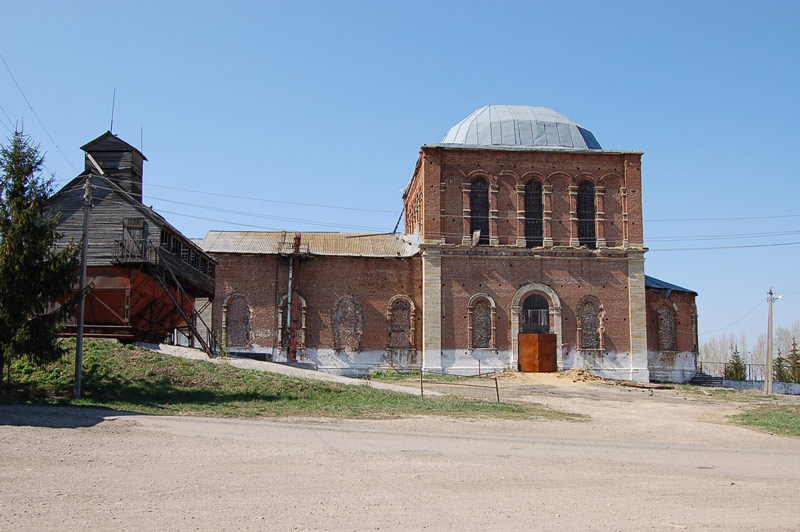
column 554, row 313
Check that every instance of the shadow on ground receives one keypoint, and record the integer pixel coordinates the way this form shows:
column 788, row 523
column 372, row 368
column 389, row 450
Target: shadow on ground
column 56, row 417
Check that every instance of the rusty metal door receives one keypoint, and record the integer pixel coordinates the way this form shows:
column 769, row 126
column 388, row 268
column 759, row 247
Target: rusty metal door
column 537, row 353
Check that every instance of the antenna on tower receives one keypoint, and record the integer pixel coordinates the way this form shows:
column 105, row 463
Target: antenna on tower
column 113, row 101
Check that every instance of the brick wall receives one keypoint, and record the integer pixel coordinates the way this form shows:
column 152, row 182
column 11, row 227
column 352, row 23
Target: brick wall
column 263, row 280
column 442, row 174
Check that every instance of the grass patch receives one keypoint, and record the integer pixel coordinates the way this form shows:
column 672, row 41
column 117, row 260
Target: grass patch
column 138, row 380
column 413, row 375
column 778, row 419
column 730, row 394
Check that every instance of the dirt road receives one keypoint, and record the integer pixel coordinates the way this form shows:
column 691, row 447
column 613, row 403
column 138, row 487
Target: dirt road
column 660, row 462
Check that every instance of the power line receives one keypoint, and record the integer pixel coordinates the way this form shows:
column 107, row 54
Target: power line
column 723, row 219
column 217, row 194
column 36, row 114
column 737, row 321
column 731, row 247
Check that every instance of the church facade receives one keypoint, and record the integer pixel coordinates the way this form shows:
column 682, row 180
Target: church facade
column 523, row 249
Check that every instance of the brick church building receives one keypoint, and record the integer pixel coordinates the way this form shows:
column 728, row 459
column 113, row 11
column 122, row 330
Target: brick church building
column 523, row 249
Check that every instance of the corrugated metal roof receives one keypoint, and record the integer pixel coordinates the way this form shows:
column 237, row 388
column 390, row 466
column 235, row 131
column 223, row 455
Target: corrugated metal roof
column 652, row 282
column 314, row 243
column 520, row 125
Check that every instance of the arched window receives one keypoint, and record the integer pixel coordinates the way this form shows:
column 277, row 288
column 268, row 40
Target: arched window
column 667, row 334
column 590, row 323
column 586, row 215
column 481, row 322
column 479, row 209
column 236, row 317
column 285, row 319
column 401, row 322
column 535, row 315
column 533, row 214
column 348, row 324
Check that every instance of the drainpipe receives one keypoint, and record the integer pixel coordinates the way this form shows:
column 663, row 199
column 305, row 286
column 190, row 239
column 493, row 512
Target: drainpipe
column 294, row 261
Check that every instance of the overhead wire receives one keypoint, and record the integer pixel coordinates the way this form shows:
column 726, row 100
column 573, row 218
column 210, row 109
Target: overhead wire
column 36, row 114
column 737, row 321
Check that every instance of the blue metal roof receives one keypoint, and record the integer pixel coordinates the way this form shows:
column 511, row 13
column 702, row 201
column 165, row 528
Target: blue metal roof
column 520, row 125
column 652, row 282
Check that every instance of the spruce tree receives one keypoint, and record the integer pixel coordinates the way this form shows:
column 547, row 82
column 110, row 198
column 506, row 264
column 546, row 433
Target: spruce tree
column 735, row 370
column 780, row 369
column 35, row 277
column 793, row 362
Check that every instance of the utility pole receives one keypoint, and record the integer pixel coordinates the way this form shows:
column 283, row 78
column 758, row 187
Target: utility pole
column 768, row 376
column 87, row 205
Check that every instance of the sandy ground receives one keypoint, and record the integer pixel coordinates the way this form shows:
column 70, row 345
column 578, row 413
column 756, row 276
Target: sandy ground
column 665, row 461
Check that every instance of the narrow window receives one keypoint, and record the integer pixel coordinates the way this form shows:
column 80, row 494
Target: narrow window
column 479, row 209
column 666, row 329
column 481, row 324
column 533, row 214
column 590, row 315
column 400, row 329
column 237, row 322
column 586, row 215
column 348, row 324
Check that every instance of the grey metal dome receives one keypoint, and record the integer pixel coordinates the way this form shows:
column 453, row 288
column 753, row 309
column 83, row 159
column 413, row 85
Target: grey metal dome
column 520, row 125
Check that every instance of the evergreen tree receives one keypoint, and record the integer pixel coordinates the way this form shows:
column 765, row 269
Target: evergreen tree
column 735, row 370
column 35, row 277
column 793, row 362
column 780, row 369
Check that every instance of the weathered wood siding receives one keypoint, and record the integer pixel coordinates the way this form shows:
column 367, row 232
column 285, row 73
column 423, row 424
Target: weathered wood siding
column 109, row 210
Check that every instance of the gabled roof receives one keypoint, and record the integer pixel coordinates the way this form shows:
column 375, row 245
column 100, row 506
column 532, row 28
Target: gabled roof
column 145, row 210
column 652, row 282
column 313, row 243
column 110, row 139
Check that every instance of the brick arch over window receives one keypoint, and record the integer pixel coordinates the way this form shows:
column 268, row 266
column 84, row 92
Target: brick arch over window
column 284, row 318
column 591, row 329
column 667, row 328
column 555, row 319
column 236, row 321
column 401, row 313
column 348, row 324
column 482, row 321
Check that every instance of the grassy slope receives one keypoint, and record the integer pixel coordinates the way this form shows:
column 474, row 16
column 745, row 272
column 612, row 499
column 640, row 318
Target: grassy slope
column 138, row 380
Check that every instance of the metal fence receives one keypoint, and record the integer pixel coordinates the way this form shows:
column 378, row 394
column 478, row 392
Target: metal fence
column 754, row 372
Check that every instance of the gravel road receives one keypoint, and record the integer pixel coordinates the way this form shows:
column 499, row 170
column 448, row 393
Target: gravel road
column 660, row 462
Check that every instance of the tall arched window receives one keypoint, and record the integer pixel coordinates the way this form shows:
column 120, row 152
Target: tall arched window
column 590, row 323
column 479, row 209
column 401, row 322
column 586, row 215
column 348, row 324
column 667, row 330
column 236, row 312
column 481, row 322
column 533, row 214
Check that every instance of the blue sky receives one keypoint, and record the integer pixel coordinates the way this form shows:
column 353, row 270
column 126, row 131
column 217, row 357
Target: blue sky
column 327, row 104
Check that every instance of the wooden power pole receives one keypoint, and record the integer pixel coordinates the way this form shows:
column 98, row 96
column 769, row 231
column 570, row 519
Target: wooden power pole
column 87, row 206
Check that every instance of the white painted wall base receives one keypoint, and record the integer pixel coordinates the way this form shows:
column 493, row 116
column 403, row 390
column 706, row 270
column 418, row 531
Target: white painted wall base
column 610, row 365
column 672, row 366
column 787, row 388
